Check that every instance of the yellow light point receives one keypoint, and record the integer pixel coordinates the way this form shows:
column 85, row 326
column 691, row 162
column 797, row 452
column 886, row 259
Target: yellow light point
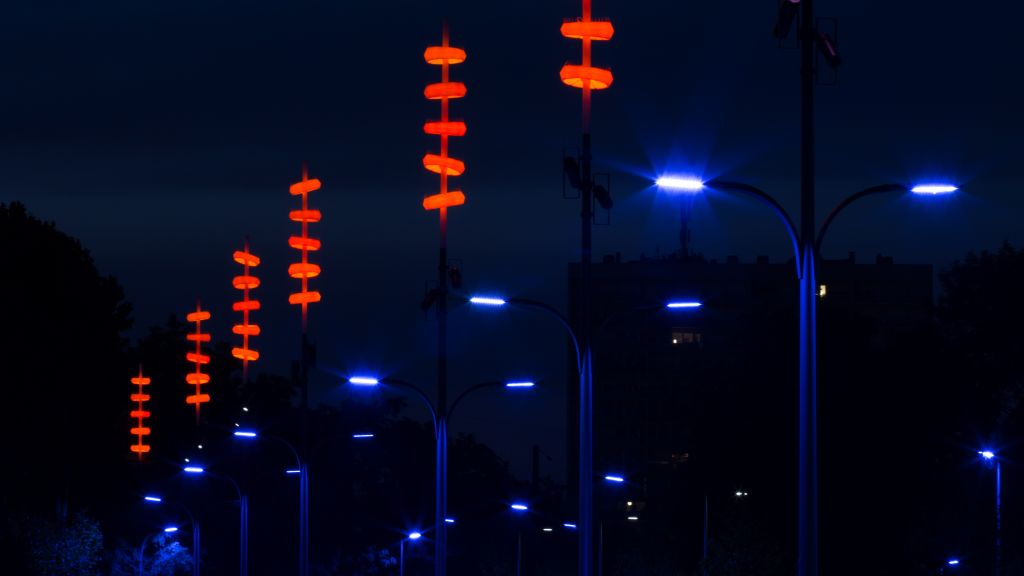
column 246, row 283
column 445, row 90
column 140, row 431
column 197, row 378
column 304, row 270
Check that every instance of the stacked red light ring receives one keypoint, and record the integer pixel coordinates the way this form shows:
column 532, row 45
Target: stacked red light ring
column 140, row 430
column 198, row 378
column 246, row 282
column 585, row 76
column 445, row 90
column 304, row 270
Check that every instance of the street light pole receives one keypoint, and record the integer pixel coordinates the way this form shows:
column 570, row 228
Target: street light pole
column 195, row 529
column 990, row 457
column 243, row 516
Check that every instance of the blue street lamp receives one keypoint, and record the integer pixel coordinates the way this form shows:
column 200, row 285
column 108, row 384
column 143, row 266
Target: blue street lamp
column 806, row 248
column 142, row 548
column 154, row 499
column 440, row 419
column 243, row 515
column 302, row 470
column 989, row 457
column 412, row 537
column 519, row 508
column 584, row 367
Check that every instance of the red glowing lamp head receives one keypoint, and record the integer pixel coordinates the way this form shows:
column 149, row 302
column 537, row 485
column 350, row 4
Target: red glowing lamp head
column 304, row 269
column 246, row 282
column 140, row 430
column 197, row 378
column 441, row 164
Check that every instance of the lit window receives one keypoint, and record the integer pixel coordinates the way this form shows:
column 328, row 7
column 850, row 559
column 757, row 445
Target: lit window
column 822, row 291
column 685, row 336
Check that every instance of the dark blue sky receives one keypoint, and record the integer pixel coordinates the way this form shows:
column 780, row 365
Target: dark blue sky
column 162, row 133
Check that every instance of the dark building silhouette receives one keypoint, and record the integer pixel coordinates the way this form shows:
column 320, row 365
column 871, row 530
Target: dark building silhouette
column 701, row 403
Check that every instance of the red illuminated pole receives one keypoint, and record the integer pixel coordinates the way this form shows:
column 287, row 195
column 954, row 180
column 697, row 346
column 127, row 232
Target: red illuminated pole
column 140, row 430
column 198, row 378
column 444, row 166
column 587, row 78
column 304, row 270
column 246, row 282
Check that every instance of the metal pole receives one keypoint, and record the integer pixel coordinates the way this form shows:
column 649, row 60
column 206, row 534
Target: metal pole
column 441, row 466
column 705, row 535
column 999, row 525
column 600, row 548
column 807, row 508
column 195, row 548
column 519, row 553
column 243, row 546
column 303, row 519
column 401, row 558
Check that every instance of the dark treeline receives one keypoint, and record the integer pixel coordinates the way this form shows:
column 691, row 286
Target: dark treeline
column 902, row 418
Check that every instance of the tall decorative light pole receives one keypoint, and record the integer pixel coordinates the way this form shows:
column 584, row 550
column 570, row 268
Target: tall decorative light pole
column 198, row 378
column 806, row 245
column 303, row 271
column 444, row 56
column 140, row 430
column 246, row 283
column 587, row 78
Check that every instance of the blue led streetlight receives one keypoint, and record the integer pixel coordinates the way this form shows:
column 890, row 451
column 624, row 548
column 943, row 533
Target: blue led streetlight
column 303, row 472
column 412, row 537
column 440, row 415
column 990, row 457
column 243, row 515
column 807, row 242
column 154, row 499
column 615, row 479
column 519, row 507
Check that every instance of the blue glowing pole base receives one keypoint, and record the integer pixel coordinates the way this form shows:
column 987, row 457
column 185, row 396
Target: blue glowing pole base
column 807, row 543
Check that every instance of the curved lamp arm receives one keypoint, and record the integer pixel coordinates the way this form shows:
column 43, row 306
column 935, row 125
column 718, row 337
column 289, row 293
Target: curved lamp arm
column 883, row 189
column 551, row 311
column 416, row 390
column 772, row 203
column 469, row 391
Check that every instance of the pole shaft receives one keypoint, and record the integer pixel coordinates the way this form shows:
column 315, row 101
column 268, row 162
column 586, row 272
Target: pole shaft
column 441, row 465
column 195, row 549
column 807, row 512
column 243, row 545
column 999, row 521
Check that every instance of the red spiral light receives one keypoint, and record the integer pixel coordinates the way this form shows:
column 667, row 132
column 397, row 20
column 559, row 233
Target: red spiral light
column 304, row 270
column 586, row 76
column 198, row 378
column 140, row 430
column 246, row 282
column 444, row 56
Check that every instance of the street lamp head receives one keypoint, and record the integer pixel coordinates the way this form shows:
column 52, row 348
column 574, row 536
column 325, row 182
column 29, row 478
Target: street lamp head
column 569, row 525
column 953, row 562
column 934, row 189
column 680, row 184
column 363, row 381
column 449, row 520
column 151, row 498
column 487, row 301
column 363, row 435
column 784, row 20
column 683, row 304
column 171, row 529
column 293, row 471
column 245, row 434
column 546, row 529
column 987, row 454
column 616, row 479
column 415, row 535
column 194, row 469
column 518, row 507
column 632, row 518
column 519, row 385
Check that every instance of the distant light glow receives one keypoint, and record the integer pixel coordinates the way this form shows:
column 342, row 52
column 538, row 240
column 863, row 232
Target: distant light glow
column 449, row 520
column 677, row 304
column 363, row 381
column 415, row 536
column 152, row 499
column 569, row 525
column 632, row 518
column 679, row 183
column 987, row 454
column 615, row 478
column 953, row 562
column 292, row 471
column 171, row 529
column 487, row 301
column 245, row 409
column 520, row 507
column 548, row 529
column 194, row 469
column 934, row 189
column 245, row 433
column 363, row 435
column 519, row 385
column 629, row 503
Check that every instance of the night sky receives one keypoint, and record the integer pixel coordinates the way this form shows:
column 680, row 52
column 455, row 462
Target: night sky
column 162, row 133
